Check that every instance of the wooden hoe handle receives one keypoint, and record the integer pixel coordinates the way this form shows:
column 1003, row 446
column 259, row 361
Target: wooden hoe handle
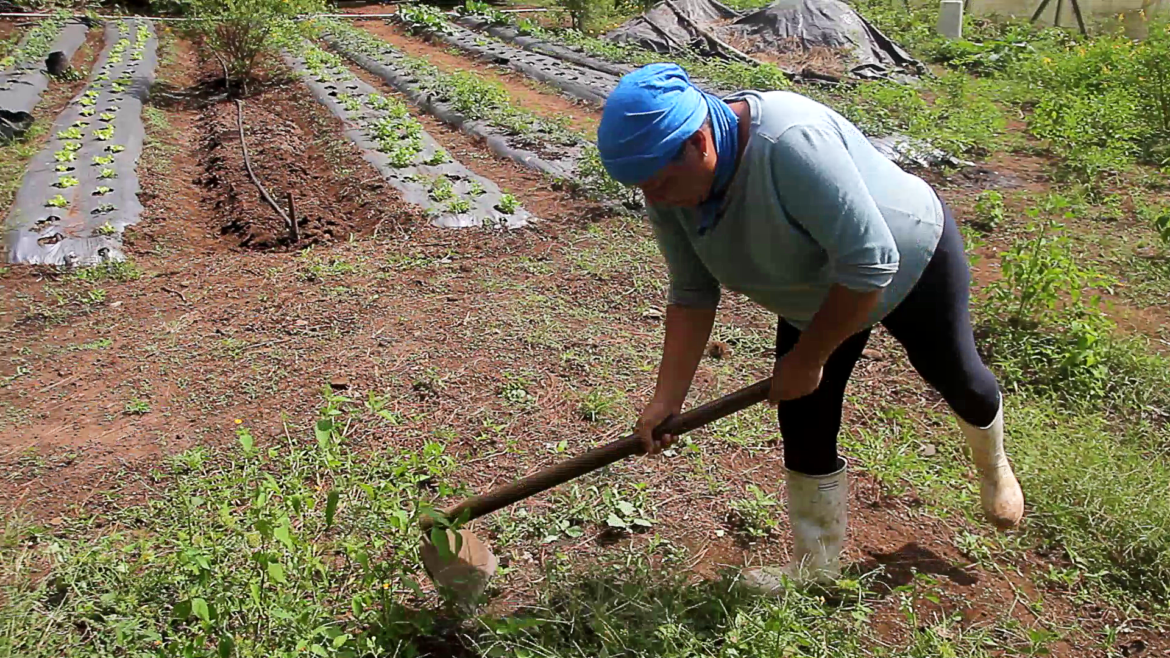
column 605, row 455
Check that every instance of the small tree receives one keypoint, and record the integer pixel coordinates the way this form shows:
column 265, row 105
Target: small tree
column 240, row 30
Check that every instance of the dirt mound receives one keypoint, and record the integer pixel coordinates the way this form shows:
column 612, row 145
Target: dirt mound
column 295, row 147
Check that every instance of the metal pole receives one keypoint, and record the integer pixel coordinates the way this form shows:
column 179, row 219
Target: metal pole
column 1040, row 10
column 1080, row 21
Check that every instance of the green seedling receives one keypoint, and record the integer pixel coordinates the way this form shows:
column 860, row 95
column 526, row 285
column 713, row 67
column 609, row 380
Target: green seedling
column 104, row 134
column 103, row 190
column 107, row 116
column 62, row 168
column 508, row 204
column 64, row 156
column 57, row 202
column 72, row 132
column 102, row 160
column 71, row 146
column 459, row 206
column 104, row 208
column 66, row 182
column 115, row 148
column 108, row 173
column 106, row 229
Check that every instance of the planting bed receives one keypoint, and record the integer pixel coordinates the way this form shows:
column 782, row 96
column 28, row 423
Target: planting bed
column 511, row 34
column 576, row 81
column 395, row 143
column 81, row 190
column 25, row 77
column 465, row 102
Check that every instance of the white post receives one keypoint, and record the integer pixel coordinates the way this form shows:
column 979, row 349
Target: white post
column 950, row 19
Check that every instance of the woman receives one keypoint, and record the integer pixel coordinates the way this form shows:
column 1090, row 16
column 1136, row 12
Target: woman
column 782, row 199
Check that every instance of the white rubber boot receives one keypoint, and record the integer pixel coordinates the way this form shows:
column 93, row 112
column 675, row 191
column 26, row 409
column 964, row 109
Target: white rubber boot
column 999, row 491
column 817, row 511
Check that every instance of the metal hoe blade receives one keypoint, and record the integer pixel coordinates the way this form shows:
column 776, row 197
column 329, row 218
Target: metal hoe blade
column 464, row 575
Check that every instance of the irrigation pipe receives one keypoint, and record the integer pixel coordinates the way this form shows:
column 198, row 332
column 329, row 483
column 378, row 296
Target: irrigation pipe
column 248, row 165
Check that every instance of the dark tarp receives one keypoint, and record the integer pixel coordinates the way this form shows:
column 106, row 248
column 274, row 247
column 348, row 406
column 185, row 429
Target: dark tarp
column 707, row 27
column 676, row 25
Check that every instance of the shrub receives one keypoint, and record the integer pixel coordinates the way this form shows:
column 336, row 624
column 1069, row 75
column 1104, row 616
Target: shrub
column 239, row 31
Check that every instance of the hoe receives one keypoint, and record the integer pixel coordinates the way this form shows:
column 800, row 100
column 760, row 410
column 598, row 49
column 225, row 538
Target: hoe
column 461, row 568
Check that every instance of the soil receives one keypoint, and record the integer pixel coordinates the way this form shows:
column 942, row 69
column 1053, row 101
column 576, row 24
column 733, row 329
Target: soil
column 232, row 321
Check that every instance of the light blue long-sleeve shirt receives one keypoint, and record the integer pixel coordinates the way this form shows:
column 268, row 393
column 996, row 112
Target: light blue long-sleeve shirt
column 812, row 204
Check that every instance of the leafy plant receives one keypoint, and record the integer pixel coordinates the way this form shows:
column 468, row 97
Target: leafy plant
column 104, row 134
column 507, row 204
column 107, row 172
column 421, row 18
column 442, row 189
column 754, row 515
column 57, row 201
column 989, row 210
column 102, row 190
column 66, row 182
column 72, row 132
column 106, row 229
column 459, row 206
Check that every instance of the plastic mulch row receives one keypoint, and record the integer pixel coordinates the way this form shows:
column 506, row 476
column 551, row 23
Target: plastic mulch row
column 21, row 85
column 395, row 143
column 576, row 81
column 81, row 191
column 558, row 156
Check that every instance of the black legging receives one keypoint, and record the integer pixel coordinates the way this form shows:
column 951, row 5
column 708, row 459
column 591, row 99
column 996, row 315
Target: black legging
column 933, row 325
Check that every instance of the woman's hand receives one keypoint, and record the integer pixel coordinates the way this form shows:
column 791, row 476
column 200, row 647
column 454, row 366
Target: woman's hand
column 652, row 416
column 795, row 375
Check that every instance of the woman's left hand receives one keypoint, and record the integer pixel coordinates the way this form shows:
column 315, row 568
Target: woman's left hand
column 794, row 376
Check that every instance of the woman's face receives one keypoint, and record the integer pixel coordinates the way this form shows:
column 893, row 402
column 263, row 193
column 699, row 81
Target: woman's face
column 686, row 181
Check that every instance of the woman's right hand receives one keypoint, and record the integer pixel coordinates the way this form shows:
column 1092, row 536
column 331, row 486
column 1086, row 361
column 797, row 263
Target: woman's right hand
column 652, row 416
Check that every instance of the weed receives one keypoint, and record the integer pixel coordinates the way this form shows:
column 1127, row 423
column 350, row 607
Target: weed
column 515, row 390
column 121, row 271
column 598, row 404
column 754, row 515
column 136, row 407
column 989, row 211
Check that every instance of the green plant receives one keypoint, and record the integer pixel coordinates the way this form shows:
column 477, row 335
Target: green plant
column 989, row 211
column 109, row 270
column 57, row 201
column 515, row 390
column 459, row 206
column 104, row 134
column 102, row 190
column 421, row 18
column 241, row 30
column 507, row 204
column 137, row 407
column 597, row 404
column 754, row 515
column 66, row 182
column 106, row 229
column 442, row 189
column 439, row 157
column 107, row 172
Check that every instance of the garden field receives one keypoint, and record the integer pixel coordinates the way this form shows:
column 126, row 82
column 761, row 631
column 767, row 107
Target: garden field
column 277, row 283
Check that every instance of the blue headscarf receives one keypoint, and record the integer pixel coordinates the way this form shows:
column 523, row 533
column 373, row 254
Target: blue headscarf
column 649, row 116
